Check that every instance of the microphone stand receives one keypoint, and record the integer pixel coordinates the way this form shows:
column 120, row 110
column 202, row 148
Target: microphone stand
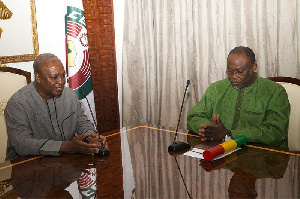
column 102, row 150
column 177, row 145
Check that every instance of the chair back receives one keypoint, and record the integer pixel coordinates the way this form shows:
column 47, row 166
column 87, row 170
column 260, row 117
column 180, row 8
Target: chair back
column 292, row 87
column 12, row 80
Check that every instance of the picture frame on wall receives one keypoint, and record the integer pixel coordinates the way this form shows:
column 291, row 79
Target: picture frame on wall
column 18, row 31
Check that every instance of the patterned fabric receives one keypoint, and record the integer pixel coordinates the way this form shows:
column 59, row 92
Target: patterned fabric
column 260, row 111
column 3, row 103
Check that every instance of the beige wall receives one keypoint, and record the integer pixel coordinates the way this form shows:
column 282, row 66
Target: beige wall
column 51, row 31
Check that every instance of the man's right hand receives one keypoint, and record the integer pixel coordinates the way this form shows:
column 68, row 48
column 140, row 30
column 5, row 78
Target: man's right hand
column 214, row 131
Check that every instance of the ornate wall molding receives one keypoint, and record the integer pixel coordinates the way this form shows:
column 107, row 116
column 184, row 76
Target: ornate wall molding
column 35, row 46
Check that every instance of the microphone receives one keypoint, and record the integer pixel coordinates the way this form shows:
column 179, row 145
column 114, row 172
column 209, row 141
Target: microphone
column 177, row 145
column 102, row 150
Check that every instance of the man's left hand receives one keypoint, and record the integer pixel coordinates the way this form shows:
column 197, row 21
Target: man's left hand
column 214, row 131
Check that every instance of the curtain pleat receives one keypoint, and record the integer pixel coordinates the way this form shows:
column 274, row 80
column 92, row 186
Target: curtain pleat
column 166, row 43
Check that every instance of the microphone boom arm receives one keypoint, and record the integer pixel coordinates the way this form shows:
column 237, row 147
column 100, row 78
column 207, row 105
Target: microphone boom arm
column 177, row 145
column 187, row 84
column 102, row 150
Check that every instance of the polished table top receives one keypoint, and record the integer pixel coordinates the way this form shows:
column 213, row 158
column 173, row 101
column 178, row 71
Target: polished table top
column 140, row 166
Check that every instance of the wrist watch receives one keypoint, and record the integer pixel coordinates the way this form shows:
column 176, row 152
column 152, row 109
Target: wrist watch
column 228, row 136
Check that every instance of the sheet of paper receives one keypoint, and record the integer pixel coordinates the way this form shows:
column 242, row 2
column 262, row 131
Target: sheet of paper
column 225, row 154
column 195, row 152
column 198, row 153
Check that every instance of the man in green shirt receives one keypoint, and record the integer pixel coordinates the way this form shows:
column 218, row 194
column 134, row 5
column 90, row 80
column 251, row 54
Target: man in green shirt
column 242, row 104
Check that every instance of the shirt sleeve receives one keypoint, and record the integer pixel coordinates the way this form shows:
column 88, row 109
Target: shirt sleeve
column 273, row 129
column 21, row 136
column 201, row 113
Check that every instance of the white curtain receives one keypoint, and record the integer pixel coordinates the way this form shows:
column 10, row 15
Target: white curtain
column 167, row 42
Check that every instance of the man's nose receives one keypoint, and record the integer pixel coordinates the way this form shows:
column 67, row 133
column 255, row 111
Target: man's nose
column 61, row 80
column 235, row 75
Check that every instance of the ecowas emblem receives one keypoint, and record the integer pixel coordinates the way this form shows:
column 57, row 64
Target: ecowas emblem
column 77, row 46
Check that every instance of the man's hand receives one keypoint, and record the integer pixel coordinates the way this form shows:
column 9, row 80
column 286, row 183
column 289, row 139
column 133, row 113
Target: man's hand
column 95, row 139
column 76, row 145
column 214, row 131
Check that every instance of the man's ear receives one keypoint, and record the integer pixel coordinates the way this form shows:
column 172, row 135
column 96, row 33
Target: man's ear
column 37, row 77
column 254, row 67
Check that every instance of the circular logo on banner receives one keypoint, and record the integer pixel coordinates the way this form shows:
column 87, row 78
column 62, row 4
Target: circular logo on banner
column 79, row 70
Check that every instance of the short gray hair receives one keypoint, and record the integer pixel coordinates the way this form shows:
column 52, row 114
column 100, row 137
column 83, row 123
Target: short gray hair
column 42, row 59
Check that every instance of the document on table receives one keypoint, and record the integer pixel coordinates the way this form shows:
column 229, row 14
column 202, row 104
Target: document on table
column 198, row 153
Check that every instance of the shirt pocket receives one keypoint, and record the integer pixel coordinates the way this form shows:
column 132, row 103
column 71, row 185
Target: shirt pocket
column 253, row 117
column 250, row 112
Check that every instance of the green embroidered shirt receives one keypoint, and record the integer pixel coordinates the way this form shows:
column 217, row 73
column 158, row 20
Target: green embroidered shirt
column 260, row 111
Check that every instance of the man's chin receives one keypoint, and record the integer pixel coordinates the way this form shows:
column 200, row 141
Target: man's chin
column 236, row 86
column 57, row 94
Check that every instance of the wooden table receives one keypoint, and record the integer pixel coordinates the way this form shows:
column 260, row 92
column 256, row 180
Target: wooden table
column 140, row 166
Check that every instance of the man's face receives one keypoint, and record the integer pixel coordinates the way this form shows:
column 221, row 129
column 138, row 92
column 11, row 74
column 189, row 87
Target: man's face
column 51, row 80
column 240, row 70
